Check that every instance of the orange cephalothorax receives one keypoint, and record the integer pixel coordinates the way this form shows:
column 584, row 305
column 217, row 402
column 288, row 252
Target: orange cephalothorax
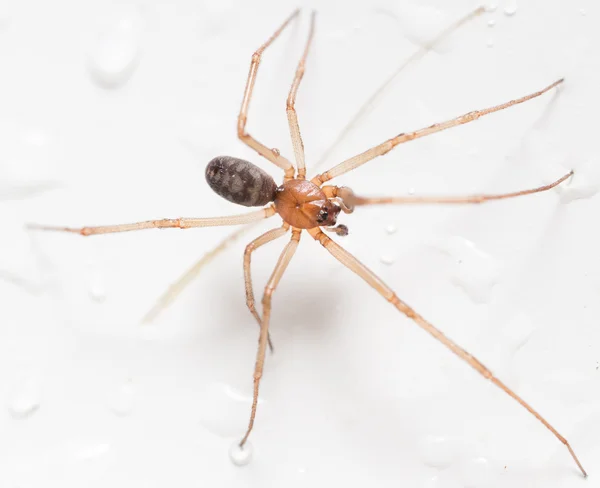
column 303, row 205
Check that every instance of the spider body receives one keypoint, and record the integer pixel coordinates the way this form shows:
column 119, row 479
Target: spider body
column 304, row 205
column 240, row 181
column 307, row 205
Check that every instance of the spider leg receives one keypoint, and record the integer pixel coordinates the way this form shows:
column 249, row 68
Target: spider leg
column 387, row 146
column 181, row 223
column 280, row 268
column 250, row 248
column 291, row 102
column 386, row 292
column 246, row 138
column 176, row 288
column 356, row 200
column 416, row 56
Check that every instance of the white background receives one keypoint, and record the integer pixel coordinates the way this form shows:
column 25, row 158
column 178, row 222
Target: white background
column 109, row 112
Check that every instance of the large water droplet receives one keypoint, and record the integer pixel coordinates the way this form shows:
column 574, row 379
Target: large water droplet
column 115, row 54
column 473, row 270
column 26, row 398
column 241, row 456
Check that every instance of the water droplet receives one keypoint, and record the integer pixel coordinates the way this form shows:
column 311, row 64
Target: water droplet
column 492, row 6
column 473, row 270
column 114, row 57
column 441, row 481
column 490, row 42
column 475, row 472
column 584, row 183
column 97, row 290
column 93, row 451
column 411, row 191
column 219, row 6
column 439, row 451
column 225, row 411
column 25, row 399
column 582, row 12
column 121, row 400
column 241, row 456
column 391, row 229
column 517, row 332
column 491, row 22
column 276, row 152
column 510, row 8
column 387, row 259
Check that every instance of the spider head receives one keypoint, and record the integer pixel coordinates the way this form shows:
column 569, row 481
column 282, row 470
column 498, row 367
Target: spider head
column 328, row 213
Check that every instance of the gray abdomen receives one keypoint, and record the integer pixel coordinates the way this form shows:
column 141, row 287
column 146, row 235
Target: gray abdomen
column 240, row 182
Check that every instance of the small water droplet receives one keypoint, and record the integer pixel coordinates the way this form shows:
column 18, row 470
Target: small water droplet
column 473, row 270
column 225, row 411
column 582, row 12
column 241, row 456
column 491, row 22
column 490, row 42
column 411, row 191
column 510, row 8
column 97, row 290
column 584, row 183
column 25, row 399
column 492, row 6
column 439, row 451
column 387, row 259
column 93, row 451
column 121, row 400
column 113, row 58
column 476, row 472
column 391, row 229
column 276, row 152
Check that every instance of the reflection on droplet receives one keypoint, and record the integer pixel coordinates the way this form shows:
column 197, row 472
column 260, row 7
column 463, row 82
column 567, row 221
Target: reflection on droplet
column 122, row 399
column 240, row 456
column 387, row 259
column 114, row 56
column 439, row 451
column 511, row 7
column 25, row 399
column 475, row 472
column 473, row 270
column 225, row 410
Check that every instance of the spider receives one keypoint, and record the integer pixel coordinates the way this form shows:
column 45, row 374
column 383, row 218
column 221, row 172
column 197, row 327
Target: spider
column 311, row 206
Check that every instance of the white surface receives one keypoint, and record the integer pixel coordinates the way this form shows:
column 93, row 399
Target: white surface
column 110, row 114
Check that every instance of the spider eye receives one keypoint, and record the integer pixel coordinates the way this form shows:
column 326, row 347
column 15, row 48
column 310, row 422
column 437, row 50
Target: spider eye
column 323, row 214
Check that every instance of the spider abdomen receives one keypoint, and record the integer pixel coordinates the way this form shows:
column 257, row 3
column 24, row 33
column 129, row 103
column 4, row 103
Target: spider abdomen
column 240, row 182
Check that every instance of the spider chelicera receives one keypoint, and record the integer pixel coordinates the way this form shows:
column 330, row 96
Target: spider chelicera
column 312, row 206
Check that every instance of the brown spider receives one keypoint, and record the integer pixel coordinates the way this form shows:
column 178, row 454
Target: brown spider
column 308, row 205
